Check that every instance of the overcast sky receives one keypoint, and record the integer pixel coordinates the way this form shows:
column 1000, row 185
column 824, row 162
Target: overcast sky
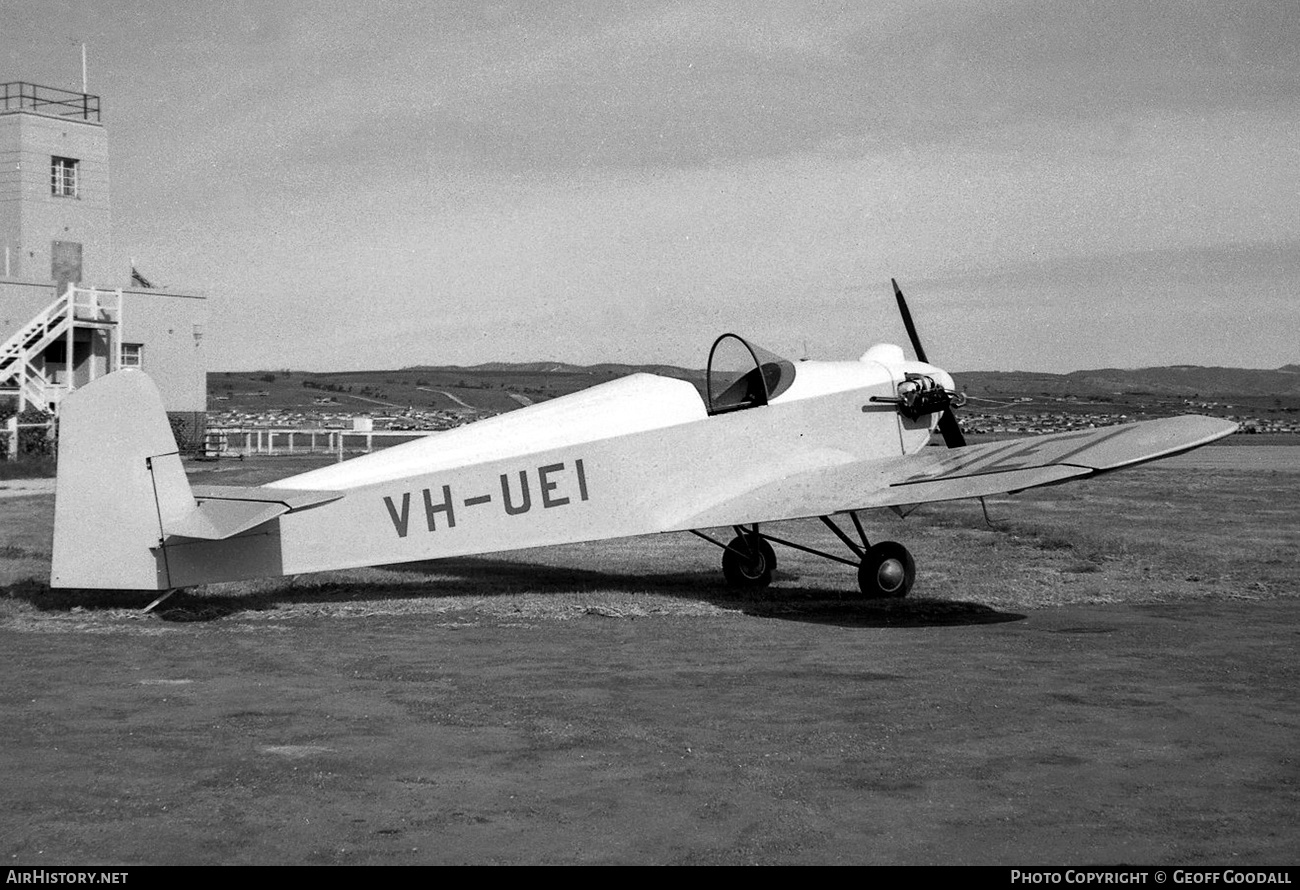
column 1055, row 185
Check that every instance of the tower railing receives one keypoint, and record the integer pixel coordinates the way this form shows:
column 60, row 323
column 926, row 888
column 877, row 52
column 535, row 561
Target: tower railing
column 19, row 95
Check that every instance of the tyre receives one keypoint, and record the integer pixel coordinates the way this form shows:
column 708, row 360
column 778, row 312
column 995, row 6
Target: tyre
column 887, row 571
column 742, row 567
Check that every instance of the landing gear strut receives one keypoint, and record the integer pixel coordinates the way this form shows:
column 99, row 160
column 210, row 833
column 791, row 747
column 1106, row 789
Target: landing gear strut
column 885, row 570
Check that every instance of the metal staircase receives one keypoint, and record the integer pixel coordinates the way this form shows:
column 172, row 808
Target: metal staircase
column 24, row 370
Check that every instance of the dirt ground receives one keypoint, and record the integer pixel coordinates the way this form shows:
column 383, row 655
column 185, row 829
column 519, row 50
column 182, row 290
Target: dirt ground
column 1107, row 674
column 925, row 733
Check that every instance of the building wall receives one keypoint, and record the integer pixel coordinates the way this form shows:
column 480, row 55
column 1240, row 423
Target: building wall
column 32, row 218
column 166, row 324
column 20, row 301
column 10, row 195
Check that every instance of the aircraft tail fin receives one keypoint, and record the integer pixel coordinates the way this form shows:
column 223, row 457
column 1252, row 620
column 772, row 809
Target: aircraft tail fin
column 120, row 484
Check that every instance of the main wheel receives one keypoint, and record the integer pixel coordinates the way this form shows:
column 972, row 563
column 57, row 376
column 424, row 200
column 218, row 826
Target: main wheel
column 887, row 570
column 742, row 567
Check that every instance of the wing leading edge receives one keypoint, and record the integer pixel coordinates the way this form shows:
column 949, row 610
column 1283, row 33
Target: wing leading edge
column 958, row 473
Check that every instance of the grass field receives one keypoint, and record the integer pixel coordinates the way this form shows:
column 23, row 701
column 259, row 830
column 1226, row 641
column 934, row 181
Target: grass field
column 1141, row 536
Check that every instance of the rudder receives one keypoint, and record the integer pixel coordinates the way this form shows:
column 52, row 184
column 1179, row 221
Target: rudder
column 120, row 483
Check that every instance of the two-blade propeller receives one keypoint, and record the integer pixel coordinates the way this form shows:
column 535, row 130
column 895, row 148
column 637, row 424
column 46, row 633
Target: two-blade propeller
column 948, row 427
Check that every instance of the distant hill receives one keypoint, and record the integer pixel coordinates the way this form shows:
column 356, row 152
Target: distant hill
column 493, row 387
column 606, row 369
column 1186, row 381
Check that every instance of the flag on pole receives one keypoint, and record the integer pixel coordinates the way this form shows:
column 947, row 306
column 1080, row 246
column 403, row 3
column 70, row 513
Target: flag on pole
column 139, row 280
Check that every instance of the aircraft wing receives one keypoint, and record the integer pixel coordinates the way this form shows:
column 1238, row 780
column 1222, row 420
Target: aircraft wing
column 997, row 467
column 841, row 483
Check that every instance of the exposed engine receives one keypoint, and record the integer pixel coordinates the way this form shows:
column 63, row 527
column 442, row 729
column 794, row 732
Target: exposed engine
column 921, row 394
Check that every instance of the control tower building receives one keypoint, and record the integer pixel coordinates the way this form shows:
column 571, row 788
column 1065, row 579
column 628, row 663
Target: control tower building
column 67, row 316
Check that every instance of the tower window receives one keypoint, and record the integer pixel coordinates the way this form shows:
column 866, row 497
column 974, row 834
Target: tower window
column 63, row 177
column 132, row 355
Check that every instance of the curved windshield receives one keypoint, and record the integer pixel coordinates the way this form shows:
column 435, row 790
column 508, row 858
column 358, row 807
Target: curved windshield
column 742, row 375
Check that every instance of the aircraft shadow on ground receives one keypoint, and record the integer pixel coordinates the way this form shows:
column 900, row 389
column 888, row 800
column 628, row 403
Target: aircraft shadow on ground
column 784, row 600
column 479, row 577
column 43, row 598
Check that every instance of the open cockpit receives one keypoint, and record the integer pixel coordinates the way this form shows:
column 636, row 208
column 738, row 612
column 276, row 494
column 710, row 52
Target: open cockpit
column 742, row 375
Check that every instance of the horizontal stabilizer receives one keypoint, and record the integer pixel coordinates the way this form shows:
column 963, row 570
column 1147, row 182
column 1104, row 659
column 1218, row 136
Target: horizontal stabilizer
column 292, row 499
column 225, row 511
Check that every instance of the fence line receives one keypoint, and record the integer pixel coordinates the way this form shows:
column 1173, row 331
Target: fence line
column 289, row 440
column 13, row 428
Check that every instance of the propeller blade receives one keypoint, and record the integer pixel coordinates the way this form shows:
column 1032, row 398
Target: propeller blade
column 948, row 426
column 952, row 434
column 907, row 322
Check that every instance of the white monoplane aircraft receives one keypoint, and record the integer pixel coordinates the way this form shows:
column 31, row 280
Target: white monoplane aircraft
column 645, row 454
